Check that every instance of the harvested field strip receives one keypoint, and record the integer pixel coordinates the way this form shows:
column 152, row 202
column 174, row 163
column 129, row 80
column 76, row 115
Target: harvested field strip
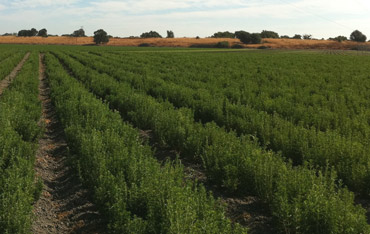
column 64, row 205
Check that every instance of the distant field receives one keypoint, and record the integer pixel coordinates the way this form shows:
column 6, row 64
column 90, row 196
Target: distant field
column 283, row 132
column 184, row 42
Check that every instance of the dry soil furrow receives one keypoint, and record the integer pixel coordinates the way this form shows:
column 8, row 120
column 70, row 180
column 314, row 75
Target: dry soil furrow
column 248, row 211
column 8, row 80
column 64, row 205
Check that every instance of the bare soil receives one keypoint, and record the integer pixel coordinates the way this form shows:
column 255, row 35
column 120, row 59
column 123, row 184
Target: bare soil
column 8, row 80
column 65, row 205
column 248, row 211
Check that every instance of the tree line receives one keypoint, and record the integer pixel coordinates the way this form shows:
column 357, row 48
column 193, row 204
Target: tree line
column 100, row 36
column 256, row 38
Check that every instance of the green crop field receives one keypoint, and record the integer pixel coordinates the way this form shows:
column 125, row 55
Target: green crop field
column 291, row 128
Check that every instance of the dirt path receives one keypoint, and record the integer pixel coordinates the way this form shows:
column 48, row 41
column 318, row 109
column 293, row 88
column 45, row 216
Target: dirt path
column 8, row 80
column 64, row 205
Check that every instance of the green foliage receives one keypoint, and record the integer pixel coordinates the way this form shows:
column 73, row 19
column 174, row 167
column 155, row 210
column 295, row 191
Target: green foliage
column 294, row 194
column 226, row 34
column 78, row 33
column 137, row 194
column 27, row 33
column 307, row 36
column 248, row 38
column 269, row 34
column 222, row 44
column 170, row 34
column 357, row 36
column 151, row 34
column 43, row 33
column 101, row 37
column 20, row 112
column 297, row 36
column 8, row 61
column 339, row 38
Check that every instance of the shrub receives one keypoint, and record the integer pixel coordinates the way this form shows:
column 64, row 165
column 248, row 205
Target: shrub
column 237, row 46
column 222, row 44
column 145, row 45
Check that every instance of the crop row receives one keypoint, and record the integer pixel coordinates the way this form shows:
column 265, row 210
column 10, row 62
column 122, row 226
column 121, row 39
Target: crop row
column 321, row 97
column 350, row 158
column 308, row 89
column 136, row 193
column 9, row 62
column 20, row 112
column 301, row 200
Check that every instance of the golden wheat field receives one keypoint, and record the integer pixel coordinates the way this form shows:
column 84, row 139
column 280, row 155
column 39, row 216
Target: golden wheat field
column 183, row 42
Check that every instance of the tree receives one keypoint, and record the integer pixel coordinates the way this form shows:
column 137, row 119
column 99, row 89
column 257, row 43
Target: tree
column 339, row 38
column 27, row 33
column 170, row 34
column 297, row 36
column 43, row 33
column 243, row 36
column 33, row 32
column 226, row 34
column 79, row 33
column 100, row 37
column 357, row 36
column 284, row 37
column 256, row 38
column 307, row 36
column 269, row 34
column 23, row 33
column 150, row 34
column 248, row 38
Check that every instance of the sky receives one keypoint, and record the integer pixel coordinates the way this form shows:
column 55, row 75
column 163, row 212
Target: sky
column 188, row 18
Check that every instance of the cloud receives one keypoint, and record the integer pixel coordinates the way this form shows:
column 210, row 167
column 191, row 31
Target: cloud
column 186, row 17
column 21, row 4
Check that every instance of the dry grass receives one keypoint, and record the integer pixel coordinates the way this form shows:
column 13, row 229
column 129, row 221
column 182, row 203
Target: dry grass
column 183, row 42
column 170, row 42
column 308, row 44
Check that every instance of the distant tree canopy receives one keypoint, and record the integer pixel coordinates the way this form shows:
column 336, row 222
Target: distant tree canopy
column 9, row 34
column 150, row 34
column 101, row 37
column 43, row 33
column 339, row 38
column 79, row 33
column 357, row 36
column 248, row 38
column 170, row 34
column 27, row 33
column 297, row 36
column 226, row 34
column 307, row 36
column 269, row 34
column 284, row 36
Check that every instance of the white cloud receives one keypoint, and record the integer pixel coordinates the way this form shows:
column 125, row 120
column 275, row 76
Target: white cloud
column 322, row 18
column 19, row 4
